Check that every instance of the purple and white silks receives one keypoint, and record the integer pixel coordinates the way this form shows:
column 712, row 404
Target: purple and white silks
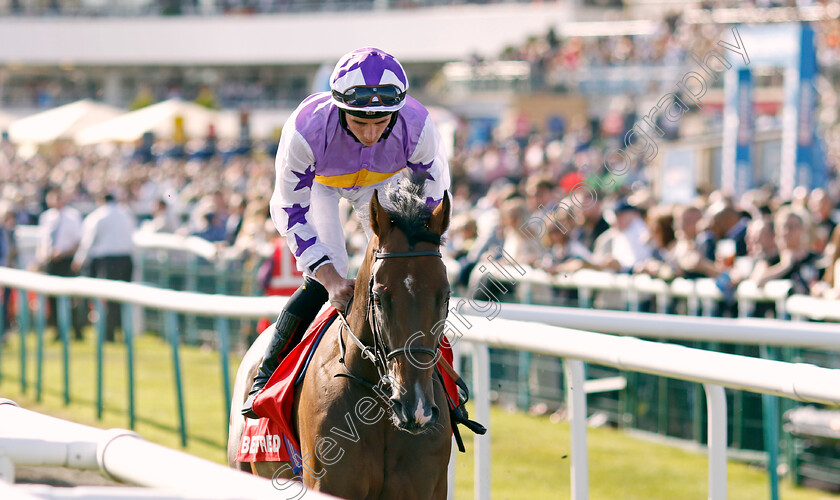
column 318, row 162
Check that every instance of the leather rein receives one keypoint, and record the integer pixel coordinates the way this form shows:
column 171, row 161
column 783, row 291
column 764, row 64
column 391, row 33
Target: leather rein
column 379, row 353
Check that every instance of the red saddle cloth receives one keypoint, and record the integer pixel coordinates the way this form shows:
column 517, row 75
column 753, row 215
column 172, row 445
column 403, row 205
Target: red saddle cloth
column 272, row 439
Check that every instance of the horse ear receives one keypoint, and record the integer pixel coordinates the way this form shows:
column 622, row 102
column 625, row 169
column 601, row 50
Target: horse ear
column 439, row 221
column 380, row 221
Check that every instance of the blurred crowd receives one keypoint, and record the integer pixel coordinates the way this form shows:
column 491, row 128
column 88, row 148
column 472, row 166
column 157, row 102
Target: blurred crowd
column 215, row 198
column 554, row 60
column 508, row 197
column 758, row 237
column 552, row 57
column 203, row 7
column 557, row 63
column 87, row 203
column 501, row 181
column 252, row 7
column 512, row 194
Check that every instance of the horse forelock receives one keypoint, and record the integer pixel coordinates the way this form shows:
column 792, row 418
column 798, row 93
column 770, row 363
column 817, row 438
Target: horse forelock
column 407, row 208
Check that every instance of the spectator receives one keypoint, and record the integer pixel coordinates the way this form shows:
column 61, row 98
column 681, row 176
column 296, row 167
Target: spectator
column 625, row 244
column 564, row 254
column 213, row 230
column 462, row 235
column 820, row 206
column 829, row 286
column 594, row 225
column 163, row 220
column 60, row 226
column 796, row 260
column 539, row 196
column 762, row 252
column 722, row 221
column 107, row 245
column 8, row 258
column 689, row 255
column 508, row 243
column 233, row 224
column 5, row 238
column 488, row 232
column 220, row 205
column 512, row 216
column 660, row 223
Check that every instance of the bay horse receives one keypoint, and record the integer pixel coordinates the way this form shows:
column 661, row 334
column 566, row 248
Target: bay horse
column 371, row 414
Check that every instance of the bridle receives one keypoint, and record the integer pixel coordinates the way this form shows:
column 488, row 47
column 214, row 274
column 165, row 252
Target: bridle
column 379, row 353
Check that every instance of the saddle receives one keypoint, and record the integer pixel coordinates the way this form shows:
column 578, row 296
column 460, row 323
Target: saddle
column 273, row 438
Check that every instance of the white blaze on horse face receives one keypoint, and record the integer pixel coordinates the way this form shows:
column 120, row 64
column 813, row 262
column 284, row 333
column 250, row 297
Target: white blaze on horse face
column 409, row 284
column 420, row 412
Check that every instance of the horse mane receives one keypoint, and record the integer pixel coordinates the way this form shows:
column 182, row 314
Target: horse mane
column 407, row 208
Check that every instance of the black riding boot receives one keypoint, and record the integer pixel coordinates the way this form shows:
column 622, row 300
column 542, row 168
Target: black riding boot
column 300, row 310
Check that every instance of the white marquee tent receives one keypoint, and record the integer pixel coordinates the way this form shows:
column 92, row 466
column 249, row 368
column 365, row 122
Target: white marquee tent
column 160, row 120
column 60, row 123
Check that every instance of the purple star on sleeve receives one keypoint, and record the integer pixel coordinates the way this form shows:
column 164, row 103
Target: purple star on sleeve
column 431, row 202
column 305, row 178
column 297, row 214
column 421, row 167
column 302, row 245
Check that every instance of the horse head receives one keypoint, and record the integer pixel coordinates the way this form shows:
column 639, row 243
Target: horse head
column 408, row 295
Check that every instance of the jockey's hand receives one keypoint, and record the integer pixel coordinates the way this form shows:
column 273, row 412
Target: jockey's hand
column 341, row 293
column 339, row 288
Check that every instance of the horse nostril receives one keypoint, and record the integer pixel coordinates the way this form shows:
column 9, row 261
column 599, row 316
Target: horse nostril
column 435, row 414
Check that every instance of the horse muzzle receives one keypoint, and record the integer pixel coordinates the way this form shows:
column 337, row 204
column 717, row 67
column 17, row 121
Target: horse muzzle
column 415, row 419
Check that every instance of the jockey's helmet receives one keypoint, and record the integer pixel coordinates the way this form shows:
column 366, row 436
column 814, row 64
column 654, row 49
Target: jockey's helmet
column 369, row 82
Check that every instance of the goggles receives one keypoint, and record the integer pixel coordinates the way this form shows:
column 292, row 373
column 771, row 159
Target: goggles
column 361, row 97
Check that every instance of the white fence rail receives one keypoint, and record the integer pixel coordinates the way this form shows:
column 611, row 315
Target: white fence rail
column 143, row 295
column 666, row 326
column 30, row 438
column 715, row 370
column 633, row 288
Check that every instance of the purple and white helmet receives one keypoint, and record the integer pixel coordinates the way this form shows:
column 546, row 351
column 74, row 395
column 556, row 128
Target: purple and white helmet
column 369, row 80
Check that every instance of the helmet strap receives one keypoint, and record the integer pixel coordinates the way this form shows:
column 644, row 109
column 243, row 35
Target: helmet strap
column 361, row 113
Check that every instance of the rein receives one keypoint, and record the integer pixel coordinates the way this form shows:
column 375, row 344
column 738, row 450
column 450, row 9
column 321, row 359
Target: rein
column 379, row 353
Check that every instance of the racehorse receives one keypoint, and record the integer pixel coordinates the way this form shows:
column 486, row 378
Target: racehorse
column 371, row 413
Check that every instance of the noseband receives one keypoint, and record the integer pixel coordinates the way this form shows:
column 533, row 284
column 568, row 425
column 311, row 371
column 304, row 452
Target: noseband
column 379, row 353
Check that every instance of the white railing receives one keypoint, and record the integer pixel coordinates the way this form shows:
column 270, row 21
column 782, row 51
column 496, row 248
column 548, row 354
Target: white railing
column 27, row 236
column 755, row 331
column 804, row 307
column 633, row 287
column 147, row 240
column 30, row 438
column 143, row 295
column 715, row 370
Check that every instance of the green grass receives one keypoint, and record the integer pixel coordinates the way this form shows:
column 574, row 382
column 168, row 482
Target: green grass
column 530, row 454
column 155, row 400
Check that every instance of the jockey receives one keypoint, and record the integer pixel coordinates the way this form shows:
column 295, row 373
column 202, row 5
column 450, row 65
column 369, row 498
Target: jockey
column 343, row 144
